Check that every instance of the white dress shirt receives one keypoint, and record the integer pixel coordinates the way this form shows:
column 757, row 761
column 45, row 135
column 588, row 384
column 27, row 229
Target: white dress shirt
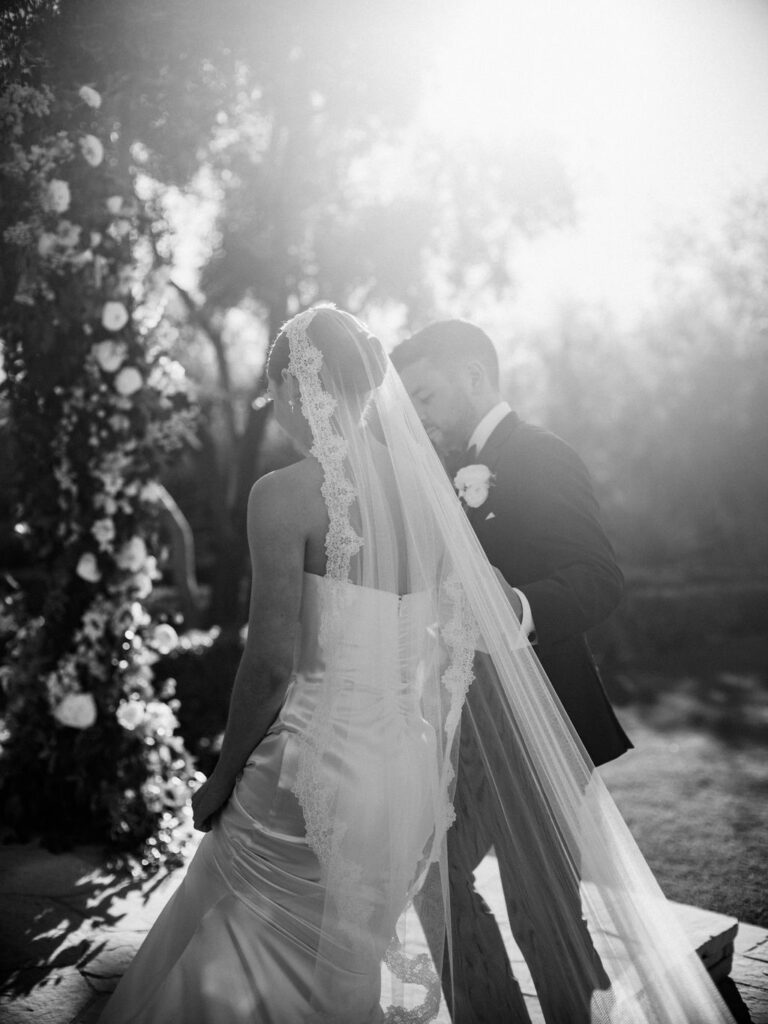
column 487, row 425
column 478, row 440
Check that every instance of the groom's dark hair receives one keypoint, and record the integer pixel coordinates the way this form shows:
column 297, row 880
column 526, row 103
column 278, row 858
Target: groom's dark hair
column 445, row 343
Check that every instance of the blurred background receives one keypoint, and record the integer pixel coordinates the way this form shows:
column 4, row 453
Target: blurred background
column 589, row 183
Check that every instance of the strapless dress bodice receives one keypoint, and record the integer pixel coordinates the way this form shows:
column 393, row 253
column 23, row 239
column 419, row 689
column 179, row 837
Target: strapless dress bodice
column 379, row 638
column 367, row 689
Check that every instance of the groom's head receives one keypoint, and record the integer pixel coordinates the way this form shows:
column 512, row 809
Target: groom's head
column 451, row 371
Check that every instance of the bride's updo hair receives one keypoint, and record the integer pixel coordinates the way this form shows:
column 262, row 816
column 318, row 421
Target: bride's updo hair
column 352, row 356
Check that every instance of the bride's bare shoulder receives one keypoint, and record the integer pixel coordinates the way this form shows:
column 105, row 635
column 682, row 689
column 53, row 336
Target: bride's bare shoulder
column 291, row 495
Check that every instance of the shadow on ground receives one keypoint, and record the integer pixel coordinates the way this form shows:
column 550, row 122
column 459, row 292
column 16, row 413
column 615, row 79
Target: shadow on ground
column 734, row 1002
column 67, row 913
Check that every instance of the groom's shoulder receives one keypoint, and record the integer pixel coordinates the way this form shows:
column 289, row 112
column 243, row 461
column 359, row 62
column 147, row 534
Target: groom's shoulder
column 538, row 456
column 529, row 440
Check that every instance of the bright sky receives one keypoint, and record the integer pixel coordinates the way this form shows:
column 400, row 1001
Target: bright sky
column 660, row 108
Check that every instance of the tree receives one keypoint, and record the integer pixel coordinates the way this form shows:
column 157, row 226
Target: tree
column 670, row 413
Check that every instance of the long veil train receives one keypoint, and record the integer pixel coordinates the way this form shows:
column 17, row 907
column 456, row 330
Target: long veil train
column 396, row 526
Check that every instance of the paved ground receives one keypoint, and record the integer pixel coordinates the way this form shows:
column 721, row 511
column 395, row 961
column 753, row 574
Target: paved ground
column 68, row 929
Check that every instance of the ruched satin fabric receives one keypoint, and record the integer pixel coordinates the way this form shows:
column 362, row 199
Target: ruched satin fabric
column 239, row 940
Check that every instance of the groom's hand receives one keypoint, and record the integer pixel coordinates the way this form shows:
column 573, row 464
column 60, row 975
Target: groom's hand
column 511, row 594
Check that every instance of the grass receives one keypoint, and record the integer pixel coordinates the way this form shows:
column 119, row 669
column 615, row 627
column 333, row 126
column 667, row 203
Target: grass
column 699, row 813
column 694, row 791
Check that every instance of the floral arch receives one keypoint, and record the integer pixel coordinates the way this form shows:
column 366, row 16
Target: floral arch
column 94, row 404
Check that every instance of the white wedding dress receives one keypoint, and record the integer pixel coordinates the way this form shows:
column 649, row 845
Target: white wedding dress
column 299, row 906
column 239, row 939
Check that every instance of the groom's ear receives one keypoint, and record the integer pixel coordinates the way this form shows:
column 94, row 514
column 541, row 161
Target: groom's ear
column 476, row 376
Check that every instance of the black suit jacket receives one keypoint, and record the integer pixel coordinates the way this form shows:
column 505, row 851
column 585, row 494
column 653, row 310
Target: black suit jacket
column 539, row 525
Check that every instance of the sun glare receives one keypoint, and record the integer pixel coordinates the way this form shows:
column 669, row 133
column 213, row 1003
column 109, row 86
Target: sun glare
column 658, row 109
column 503, row 69
column 605, row 77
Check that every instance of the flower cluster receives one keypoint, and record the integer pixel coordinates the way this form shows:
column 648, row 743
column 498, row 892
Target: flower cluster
column 472, row 485
column 95, row 404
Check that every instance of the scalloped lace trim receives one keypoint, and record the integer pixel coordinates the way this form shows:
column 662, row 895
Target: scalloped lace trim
column 413, row 970
column 324, row 834
column 460, row 634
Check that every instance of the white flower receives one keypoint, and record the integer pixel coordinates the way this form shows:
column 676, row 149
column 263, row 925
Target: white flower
column 168, row 689
column 115, row 204
column 132, row 555
column 95, row 238
column 68, row 234
column 88, row 568
column 473, row 484
column 142, row 585
column 103, row 531
column 130, row 616
column 57, row 196
column 77, row 710
column 131, row 713
column 121, row 228
column 92, row 150
column 128, row 381
column 54, row 687
column 94, row 624
column 114, row 316
column 110, row 355
column 164, row 638
column 161, row 719
column 175, row 791
column 118, row 422
column 81, row 258
column 152, row 493
column 46, row 243
column 90, row 96
column 153, row 796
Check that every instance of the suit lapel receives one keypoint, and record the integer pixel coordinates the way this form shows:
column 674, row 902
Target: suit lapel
column 489, row 456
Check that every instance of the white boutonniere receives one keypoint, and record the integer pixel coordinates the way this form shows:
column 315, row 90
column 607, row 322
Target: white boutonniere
column 472, row 484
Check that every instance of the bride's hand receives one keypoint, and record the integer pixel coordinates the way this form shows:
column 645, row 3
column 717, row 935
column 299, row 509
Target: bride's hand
column 207, row 802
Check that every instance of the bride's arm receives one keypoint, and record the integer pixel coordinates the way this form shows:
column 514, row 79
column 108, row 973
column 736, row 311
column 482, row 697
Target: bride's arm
column 276, row 537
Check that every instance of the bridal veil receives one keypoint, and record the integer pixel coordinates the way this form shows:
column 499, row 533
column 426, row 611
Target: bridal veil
column 379, row 827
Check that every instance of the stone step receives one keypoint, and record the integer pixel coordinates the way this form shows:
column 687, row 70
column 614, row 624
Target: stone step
column 68, row 929
column 713, row 936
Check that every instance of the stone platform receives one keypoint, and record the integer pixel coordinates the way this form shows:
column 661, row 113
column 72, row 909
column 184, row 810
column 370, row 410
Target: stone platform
column 68, row 929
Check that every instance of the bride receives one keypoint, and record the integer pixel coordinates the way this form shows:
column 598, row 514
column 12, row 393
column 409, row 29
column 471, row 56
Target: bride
column 372, row 609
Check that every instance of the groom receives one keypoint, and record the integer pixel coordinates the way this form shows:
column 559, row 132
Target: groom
column 539, row 526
